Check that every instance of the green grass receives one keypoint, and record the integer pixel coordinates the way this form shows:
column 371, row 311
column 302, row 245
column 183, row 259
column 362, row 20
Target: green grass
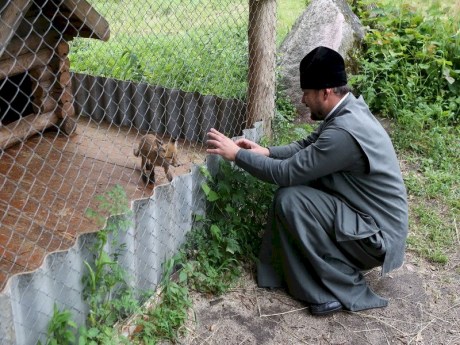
column 195, row 45
column 451, row 8
column 183, row 62
column 287, row 13
column 431, row 231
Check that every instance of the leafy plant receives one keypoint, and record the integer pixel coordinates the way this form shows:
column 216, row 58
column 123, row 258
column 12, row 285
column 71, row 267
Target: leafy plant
column 164, row 321
column 61, row 328
column 109, row 296
column 210, row 261
column 410, row 72
column 285, row 130
column 229, row 234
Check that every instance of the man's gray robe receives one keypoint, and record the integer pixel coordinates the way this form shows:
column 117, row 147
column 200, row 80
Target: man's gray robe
column 341, row 208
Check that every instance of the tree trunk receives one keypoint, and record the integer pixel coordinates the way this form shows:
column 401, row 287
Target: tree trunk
column 261, row 76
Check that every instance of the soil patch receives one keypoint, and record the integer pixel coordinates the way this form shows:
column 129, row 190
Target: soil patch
column 424, row 308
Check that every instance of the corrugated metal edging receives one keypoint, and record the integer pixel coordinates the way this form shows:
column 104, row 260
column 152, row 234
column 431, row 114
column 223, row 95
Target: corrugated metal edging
column 26, row 303
column 188, row 115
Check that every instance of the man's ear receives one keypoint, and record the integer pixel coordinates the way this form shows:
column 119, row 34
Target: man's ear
column 326, row 93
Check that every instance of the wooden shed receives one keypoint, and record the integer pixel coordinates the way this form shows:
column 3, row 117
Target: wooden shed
column 35, row 82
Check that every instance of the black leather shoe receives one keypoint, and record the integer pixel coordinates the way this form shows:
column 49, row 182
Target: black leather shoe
column 325, row 308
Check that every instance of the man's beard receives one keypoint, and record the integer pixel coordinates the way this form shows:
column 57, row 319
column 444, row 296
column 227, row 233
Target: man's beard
column 316, row 116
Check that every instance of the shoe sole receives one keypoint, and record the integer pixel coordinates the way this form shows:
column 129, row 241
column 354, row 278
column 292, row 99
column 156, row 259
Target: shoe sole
column 328, row 312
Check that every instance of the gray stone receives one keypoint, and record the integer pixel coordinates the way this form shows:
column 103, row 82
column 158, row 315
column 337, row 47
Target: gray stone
column 329, row 23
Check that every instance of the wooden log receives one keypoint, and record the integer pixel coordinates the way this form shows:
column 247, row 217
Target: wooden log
column 51, row 89
column 64, row 65
column 42, row 73
column 99, row 27
column 65, row 79
column 47, row 104
column 66, row 110
column 62, row 49
column 25, row 62
column 63, row 95
column 31, row 43
column 42, row 88
column 56, row 92
column 26, row 127
column 69, row 125
column 45, row 88
column 42, row 91
column 11, row 17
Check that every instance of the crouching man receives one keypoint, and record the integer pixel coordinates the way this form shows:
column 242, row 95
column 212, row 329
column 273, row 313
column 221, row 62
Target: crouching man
column 341, row 207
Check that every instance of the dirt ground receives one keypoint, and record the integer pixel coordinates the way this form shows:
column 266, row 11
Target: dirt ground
column 424, row 308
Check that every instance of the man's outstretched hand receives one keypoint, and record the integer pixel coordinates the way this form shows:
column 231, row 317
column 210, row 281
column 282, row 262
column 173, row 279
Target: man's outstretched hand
column 221, row 145
column 227, row 148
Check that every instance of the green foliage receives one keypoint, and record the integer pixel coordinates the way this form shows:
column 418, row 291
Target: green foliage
column 106, row 290
column 183, row 61
column 61, row 328
column 229, row 234
column 210, row 261
column 410, row 72
column 285, row 130
column 101, row 335
column 164, row 321
column 216, row 248
column 287, row 13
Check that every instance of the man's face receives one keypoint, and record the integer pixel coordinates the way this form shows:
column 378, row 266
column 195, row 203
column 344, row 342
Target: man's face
column 312, row 99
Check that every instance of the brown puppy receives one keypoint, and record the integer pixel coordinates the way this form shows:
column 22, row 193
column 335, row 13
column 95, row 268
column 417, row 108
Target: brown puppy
column 171, row 152
column 154, row 153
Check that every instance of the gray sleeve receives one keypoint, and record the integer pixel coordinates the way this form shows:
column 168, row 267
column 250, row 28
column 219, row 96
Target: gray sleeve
column 335, row 150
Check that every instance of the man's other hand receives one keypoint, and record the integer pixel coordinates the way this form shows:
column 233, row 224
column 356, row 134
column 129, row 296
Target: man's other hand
column 252, row 146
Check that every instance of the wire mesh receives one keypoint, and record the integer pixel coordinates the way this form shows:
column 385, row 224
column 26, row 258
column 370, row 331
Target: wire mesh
column 81, row 83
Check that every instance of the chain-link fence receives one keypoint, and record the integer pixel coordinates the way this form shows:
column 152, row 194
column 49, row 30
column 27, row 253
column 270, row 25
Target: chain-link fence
column 81, row 84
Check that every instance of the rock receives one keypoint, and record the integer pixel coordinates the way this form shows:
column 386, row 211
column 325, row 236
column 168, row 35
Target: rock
column 329, row 23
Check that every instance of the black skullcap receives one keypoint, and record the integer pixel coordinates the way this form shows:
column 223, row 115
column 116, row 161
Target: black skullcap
column 322, row 68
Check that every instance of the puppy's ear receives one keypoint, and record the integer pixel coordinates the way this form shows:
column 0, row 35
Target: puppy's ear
column 159, row 141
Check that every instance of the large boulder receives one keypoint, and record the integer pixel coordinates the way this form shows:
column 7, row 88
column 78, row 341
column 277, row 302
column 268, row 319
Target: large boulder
column 329, row 23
